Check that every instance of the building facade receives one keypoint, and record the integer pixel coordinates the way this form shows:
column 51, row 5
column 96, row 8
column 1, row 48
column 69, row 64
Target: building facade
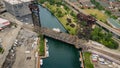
column 18, row 8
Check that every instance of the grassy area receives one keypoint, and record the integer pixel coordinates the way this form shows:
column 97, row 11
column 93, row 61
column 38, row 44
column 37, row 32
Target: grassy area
column 87, row 61
column 62, row 15
column 41, row 47
column 97, row 13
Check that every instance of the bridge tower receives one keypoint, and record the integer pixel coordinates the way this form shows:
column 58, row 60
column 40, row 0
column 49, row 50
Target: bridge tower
column 35, row 15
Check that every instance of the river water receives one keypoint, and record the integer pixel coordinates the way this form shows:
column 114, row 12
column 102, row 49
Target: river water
column 61, row 55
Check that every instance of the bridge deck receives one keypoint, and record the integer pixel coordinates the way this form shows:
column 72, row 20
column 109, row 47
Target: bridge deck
column 64, row 37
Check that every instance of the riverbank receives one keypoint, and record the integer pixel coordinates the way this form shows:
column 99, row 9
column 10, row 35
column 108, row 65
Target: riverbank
column 67, row 18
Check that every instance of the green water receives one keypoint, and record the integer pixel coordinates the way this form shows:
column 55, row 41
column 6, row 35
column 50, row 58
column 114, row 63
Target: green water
column 61, row 55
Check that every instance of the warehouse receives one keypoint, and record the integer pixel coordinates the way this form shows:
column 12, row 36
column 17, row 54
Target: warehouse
column 3, row 23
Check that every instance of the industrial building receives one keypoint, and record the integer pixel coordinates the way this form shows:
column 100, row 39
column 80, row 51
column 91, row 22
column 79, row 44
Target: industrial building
column 114, row 23
column 86, row 4
column 3, row 23
column 17, row 8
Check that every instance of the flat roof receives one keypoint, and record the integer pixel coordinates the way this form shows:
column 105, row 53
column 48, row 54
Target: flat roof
column 114, row 22
column 3, row 22
column 17, row 1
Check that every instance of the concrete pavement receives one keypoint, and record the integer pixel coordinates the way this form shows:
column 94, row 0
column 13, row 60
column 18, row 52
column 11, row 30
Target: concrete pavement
column 8, row 40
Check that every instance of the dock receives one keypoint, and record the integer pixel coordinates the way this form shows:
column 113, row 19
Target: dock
column 81, row 59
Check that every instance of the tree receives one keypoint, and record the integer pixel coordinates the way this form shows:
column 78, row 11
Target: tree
column 108, row 12
column 104, row 38
column 72, row 14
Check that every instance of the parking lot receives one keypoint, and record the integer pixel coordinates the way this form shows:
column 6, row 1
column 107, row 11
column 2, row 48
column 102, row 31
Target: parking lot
column 8, row 37
column 25, row 47
column 27, row 44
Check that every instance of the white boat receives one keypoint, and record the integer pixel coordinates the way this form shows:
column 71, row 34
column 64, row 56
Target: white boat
column 56, row 29
column 46, row 40
column 41, row 62
column 47, row 53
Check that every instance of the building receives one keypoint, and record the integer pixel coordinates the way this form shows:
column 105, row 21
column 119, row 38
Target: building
column 86, row 4
column 114, row 23
column 18, row 8
column 3, row 23
column 111, row 5
column 115, row 6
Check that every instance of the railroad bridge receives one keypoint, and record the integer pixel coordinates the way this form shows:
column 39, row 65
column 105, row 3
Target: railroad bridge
column 64, row 37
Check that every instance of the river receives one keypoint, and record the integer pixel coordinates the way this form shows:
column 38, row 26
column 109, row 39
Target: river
column 61, row 55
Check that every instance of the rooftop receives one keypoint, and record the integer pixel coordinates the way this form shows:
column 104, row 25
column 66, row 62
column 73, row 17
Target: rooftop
column 17, row 1
column 2, row 20
column 114, row 23
column 3, row 23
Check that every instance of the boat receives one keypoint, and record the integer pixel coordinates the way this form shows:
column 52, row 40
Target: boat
column 47, row 53
column 56, row 29
column 46, row 40
column 41, row 62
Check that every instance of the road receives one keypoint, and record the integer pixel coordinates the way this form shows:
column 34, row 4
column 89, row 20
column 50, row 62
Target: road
column 106, row 53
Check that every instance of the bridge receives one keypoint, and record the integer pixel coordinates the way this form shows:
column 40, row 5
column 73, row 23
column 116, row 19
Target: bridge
column 64, row 37
column 78, row 10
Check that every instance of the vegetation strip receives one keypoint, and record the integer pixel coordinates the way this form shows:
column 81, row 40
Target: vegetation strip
column 41, row 46
column 87, row 61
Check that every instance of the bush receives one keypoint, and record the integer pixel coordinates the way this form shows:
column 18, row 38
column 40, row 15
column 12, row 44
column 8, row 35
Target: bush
column 1, row 50
column 87, row 60
column 41, row 47
column 104, row 38
column 113, row 16
column 111, row 44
